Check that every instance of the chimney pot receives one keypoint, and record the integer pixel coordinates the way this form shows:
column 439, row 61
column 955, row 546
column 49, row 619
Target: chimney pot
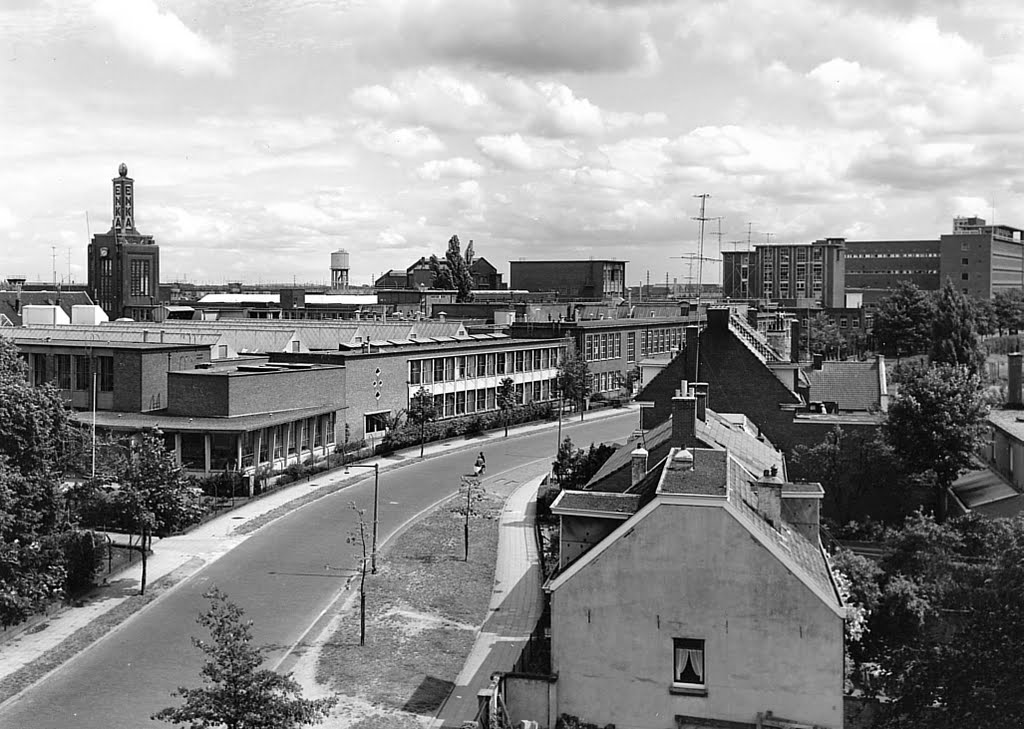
column 700, row 392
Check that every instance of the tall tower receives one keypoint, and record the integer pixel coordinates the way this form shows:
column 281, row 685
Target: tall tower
column 124, row 265
column 339, row 269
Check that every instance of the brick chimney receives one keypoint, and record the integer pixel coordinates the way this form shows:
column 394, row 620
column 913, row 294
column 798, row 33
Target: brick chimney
column 817, row 361
column 700, row 391
column 769, row 497
column 684, row 421
column 638, row 465
column 1013, row 392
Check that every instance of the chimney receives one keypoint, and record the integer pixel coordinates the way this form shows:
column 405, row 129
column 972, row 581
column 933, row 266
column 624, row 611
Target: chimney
column 769, row 497
column 684, row 421
column 817, row 361
column 801, row 508
column 1013, row 393
column 638, row 463
column 794, row 341
column 700, row 391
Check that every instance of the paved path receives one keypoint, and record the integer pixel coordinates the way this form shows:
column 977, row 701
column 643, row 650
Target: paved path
column 516, row 605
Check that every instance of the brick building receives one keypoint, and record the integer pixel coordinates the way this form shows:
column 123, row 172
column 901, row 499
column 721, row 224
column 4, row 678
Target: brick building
column 462, row 373
column 612, row 347
column 591, row 279
column 123, row 264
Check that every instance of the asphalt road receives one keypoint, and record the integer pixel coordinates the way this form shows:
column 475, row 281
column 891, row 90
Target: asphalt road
column 284, row 576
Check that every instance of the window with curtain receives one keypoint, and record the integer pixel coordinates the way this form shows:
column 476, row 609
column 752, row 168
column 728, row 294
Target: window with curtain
column 688, row 663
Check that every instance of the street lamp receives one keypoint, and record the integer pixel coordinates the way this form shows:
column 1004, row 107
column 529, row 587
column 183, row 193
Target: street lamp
column 376, row 484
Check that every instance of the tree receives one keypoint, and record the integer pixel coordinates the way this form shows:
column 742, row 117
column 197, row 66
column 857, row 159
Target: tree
column 825, row 337
column 1008, row 306
column 474, row 492
column 860, row 473
column 453, row 271
column 236, row 693
column 955, row 330
column 36, row 444
column 935, row 423
column 507, row 399
column 903, row 322
column 421, row 411
column 358, row 538
column 945, row 623
column 574, row 467
column 573, row 380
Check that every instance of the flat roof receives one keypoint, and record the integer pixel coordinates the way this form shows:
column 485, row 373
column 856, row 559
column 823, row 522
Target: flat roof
column 103, row 344
column 115, row 420
column 572, row 260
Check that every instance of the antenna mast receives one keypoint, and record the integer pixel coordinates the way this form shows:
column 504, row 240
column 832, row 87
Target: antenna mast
column 700, row 273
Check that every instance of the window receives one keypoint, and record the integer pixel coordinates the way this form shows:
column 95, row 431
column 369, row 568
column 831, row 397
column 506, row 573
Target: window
column 965, row 246
column 481, row 399
column 105, row 373
column 83, row 373
column 842, row 322
column 460, row 403
column 415, row 372
column 222, row 351
column 964, row 261
column 588, row 347
column 63, row 362
column 490, row 365
column 375, row 422
column 449, row 369
column 688, row 663
column 519, row 361
column 631, row 347
column 139, row 273
column 965, row 276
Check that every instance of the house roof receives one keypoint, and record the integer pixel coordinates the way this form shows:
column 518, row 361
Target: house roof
column 1010, row 422
column 482, row 266
column 984, row 491
column 716, row 478
column 723, row 430
column 595, row 502
column 852, row 385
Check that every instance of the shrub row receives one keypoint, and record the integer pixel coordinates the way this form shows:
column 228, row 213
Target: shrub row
column 408, row 435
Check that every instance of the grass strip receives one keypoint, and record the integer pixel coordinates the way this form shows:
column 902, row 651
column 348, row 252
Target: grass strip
column 424, row 606
column 85, row 636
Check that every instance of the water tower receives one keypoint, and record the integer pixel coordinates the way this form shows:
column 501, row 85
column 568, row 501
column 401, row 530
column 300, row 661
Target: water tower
column 339, row 269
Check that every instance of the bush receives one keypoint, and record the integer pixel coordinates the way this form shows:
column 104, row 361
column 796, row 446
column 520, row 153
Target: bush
column 545, row 497
column 83, row 555
column 408, row 435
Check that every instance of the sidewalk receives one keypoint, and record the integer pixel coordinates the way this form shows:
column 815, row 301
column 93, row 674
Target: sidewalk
column 179, row 557
column 516, row 605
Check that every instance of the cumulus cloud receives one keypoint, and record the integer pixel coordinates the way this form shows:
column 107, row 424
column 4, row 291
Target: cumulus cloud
column 161, row 37
column 477, row 102
column 454, row 168
column 531, row 35
column 526, row 153
column 398, row 142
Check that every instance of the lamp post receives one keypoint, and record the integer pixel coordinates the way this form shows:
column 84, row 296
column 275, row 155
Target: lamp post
column 376, row 485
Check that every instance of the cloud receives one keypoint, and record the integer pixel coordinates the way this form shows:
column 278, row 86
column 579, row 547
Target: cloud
column 526, row 153
column 398, row 142
column 161, row 37
column 529, row 35
column 454, row 168
column 493, row 102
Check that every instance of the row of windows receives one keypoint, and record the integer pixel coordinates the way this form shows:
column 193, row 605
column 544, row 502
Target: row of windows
column 451, row 404
column 894, row 255
column 450, row 369
column 73, row 372
column 602, row 346
column 288, row 438
column 652, row 341
column 139, row 278
column 894, row 271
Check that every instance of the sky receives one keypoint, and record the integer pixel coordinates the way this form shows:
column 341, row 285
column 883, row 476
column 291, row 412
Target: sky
column 264, row 134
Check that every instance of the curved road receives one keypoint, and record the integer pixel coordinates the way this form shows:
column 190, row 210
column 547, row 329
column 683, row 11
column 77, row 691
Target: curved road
column 279, row 576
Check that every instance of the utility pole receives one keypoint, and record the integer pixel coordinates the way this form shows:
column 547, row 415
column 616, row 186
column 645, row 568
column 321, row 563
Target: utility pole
column 702, row 219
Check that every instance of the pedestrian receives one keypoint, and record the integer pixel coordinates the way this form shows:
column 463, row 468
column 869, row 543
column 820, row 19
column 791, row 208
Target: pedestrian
column 481, row 464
